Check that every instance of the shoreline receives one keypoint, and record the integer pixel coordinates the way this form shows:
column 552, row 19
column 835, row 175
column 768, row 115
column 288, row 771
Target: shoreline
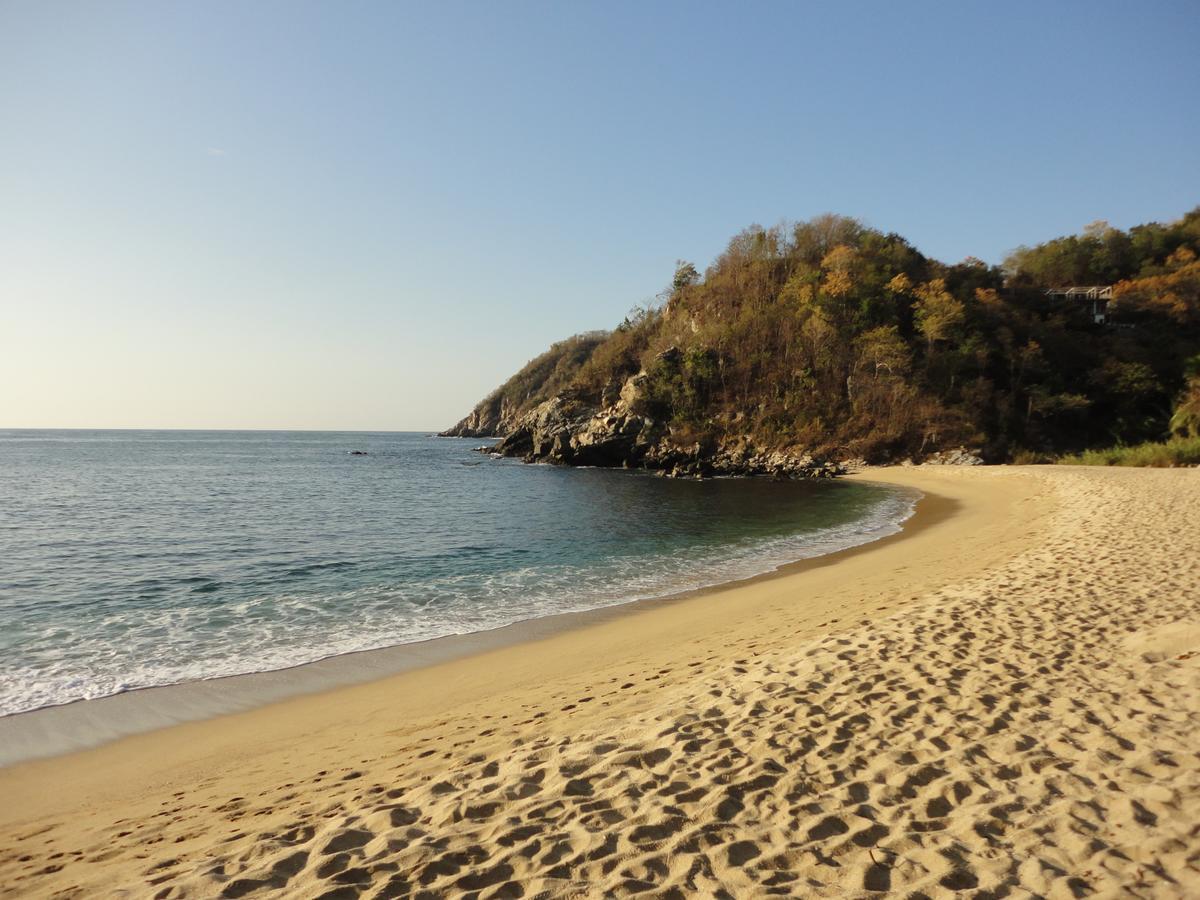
column 83, row 724
column 969, row 705
column 616, row 621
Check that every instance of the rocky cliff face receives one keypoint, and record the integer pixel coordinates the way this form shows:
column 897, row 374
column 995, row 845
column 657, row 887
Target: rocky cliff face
column 538, row 380
column 568, row 431
column 542, row 416
column 494, row 417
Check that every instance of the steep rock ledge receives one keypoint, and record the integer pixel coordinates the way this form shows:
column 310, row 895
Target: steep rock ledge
column 564, row 430
column 494, row 417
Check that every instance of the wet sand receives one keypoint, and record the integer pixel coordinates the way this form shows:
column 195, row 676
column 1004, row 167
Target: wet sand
column 1005, row 699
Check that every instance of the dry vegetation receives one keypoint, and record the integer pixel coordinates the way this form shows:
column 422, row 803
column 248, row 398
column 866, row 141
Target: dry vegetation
column 838, row 338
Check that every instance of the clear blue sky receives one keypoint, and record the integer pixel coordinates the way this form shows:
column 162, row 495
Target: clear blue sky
column 366, row 215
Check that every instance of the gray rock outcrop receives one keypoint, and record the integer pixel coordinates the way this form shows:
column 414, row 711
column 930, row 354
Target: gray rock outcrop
column 960, row 456
column 566, row 431
column 494, row 417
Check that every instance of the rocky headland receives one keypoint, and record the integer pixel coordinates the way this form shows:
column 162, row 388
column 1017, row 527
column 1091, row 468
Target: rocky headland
column 622, row 431
column 805, row 347
column 566, row 430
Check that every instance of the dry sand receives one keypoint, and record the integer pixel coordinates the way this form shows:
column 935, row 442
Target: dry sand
column 1003, row 702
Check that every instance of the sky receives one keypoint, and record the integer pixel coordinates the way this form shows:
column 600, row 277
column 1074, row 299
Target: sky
column 365, row 216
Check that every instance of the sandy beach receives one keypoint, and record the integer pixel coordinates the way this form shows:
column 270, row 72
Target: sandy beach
column 1002, row 701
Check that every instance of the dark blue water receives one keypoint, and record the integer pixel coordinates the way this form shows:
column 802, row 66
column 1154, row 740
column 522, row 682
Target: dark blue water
column 130, row 559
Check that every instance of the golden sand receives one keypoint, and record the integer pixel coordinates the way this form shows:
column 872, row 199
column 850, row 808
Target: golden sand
column 1003, row 701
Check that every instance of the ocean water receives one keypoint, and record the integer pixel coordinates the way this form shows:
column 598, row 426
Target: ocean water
column 130, row 559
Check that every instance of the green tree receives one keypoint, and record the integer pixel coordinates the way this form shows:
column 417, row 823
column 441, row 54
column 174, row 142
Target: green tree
column 938, row 312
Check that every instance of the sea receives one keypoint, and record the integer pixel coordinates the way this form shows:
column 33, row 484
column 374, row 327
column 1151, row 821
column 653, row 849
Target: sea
column 134, row 559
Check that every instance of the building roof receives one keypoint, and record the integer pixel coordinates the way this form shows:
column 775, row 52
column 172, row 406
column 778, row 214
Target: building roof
column 1094, row 292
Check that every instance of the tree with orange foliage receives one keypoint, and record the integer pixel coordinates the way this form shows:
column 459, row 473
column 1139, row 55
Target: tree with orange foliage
column 1174, row 294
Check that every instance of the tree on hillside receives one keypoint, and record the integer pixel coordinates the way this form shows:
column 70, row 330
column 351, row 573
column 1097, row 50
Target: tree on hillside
column 832, row 336
column 937, row 312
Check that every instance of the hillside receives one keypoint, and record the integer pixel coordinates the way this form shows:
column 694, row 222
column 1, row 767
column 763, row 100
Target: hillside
column 829, row 340
column 537, row 381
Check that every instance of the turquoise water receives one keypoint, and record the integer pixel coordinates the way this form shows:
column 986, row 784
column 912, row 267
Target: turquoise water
column 130, row 559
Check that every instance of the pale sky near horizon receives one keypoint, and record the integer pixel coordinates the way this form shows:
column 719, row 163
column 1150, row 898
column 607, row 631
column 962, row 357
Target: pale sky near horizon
column 366, row 215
